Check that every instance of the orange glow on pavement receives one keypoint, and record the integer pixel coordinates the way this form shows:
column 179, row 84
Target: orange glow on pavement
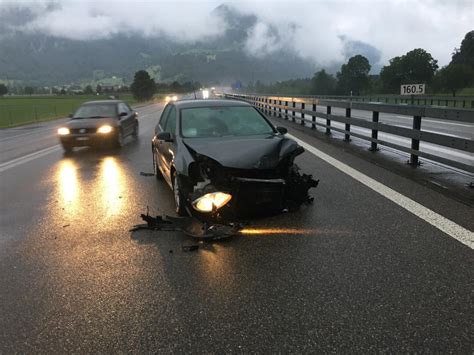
column 258, row 231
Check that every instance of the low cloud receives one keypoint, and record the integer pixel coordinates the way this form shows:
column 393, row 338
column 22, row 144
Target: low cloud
column 323, row 31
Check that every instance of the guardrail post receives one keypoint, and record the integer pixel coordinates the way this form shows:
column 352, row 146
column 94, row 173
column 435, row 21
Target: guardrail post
column 347, row 136
column 293, row 115
column 415, row 143
column 274, row 108
column 328, row 120
column 313, row 125
column 279, row 109
column 286, row 110
column 375, row 132
column 302, row 113
column 472, row 104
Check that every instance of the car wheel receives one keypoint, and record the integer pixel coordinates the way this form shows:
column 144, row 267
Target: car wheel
column 68, row 149
column 135, row 131
column 179, row 200
column 156, row 170
column 119, row 139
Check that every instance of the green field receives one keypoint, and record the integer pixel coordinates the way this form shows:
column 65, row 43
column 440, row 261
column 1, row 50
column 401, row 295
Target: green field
column 16, row 111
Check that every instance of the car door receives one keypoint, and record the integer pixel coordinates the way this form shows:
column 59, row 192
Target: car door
column 167, row 149
column 157, row 143
column 125, row 121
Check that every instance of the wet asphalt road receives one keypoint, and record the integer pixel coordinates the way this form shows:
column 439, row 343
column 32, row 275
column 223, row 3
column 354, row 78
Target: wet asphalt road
column 353, row 272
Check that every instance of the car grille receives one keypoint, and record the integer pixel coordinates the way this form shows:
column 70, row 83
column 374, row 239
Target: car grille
column 255, row 192
column 83, row 130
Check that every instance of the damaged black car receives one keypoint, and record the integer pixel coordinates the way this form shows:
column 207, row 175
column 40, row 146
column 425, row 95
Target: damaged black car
column 223, row 158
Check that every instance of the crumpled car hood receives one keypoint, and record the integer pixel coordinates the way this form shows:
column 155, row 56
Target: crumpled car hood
column 245, row 152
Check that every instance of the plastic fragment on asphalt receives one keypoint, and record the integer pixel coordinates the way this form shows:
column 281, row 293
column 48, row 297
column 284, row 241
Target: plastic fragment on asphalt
column 146, row 174
column 191, row 226
column 187, row 248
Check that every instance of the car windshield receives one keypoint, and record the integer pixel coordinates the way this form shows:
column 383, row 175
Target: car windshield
column 223, row 121
column 95, row 111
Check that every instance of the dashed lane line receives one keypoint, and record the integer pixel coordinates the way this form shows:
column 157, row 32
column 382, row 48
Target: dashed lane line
column 445, row 225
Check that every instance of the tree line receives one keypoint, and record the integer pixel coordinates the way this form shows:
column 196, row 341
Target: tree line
column 353, row 78
column 144, row 87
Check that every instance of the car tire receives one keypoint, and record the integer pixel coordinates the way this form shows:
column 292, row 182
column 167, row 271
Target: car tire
column 135, row 131
column 68, row 149
column 119, row 139
column 156, row 170
column 179, row 200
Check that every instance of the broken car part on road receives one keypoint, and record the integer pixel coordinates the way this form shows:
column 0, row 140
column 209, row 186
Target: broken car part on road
column 191, row 226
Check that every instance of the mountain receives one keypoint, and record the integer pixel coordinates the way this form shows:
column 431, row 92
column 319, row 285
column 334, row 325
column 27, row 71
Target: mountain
column 41, row 59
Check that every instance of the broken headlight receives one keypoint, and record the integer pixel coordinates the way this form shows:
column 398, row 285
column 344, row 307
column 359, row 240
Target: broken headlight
column 211, row 201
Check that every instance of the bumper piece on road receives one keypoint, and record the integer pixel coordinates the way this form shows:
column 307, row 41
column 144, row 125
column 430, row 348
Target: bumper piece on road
column 188, row 225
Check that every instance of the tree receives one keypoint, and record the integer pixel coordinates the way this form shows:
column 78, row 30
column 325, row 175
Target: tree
column 465, row 54
column 88, row 90
column 29, row 90
column 323, row 83
column 354, row 76
column 3, row 89
column 454, row 77
column 98, row 89
column 143, row 87
column 416, row 66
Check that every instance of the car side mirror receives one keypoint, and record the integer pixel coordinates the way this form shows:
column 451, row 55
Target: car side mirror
column 282, row 130
column 164, row 136
column 122, row 114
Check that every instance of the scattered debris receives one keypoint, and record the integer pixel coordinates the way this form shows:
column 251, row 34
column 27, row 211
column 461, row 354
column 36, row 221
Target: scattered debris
column 189, row 225
column 187, row 248
column 66, row 225
column 146, row 174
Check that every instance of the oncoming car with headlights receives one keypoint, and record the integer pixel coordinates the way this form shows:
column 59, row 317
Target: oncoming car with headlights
column 99, row 123
column 224, row 158
column 171, row 97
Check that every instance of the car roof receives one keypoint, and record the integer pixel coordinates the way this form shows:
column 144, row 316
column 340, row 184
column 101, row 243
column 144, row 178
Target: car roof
column 102, row 102
column 208, row 103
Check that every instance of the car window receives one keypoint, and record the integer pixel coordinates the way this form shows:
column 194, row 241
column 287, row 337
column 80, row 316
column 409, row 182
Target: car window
column 96, row 111
column 123, row 108
column 223, row 121
column 164, row 116
column 170, row 125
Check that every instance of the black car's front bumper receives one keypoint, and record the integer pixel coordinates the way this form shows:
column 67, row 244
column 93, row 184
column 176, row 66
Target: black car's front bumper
column 88, row 139
column 249, row 197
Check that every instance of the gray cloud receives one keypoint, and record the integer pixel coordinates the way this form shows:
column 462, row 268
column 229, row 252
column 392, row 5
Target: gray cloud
column 324, row 31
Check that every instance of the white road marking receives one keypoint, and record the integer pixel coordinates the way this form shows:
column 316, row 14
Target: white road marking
column 445, row 225
column 52, row 129
column 26, row 158
column 448, row 123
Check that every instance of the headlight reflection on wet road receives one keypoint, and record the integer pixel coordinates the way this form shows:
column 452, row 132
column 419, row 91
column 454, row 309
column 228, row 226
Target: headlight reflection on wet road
column 68, row 183
column 112, row 185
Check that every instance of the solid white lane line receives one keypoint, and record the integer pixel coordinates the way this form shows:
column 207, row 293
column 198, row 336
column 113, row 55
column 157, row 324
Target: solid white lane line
column 26, row 158
column 448, row 123
column 52, row 129
column 445, row 225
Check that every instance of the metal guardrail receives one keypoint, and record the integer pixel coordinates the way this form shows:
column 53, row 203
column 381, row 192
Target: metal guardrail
column 447, row 101
column 287, row 107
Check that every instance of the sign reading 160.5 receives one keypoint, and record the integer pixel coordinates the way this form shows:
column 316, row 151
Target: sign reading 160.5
column 412, row 89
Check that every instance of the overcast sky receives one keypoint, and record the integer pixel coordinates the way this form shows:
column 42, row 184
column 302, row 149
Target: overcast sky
column 314, row 29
